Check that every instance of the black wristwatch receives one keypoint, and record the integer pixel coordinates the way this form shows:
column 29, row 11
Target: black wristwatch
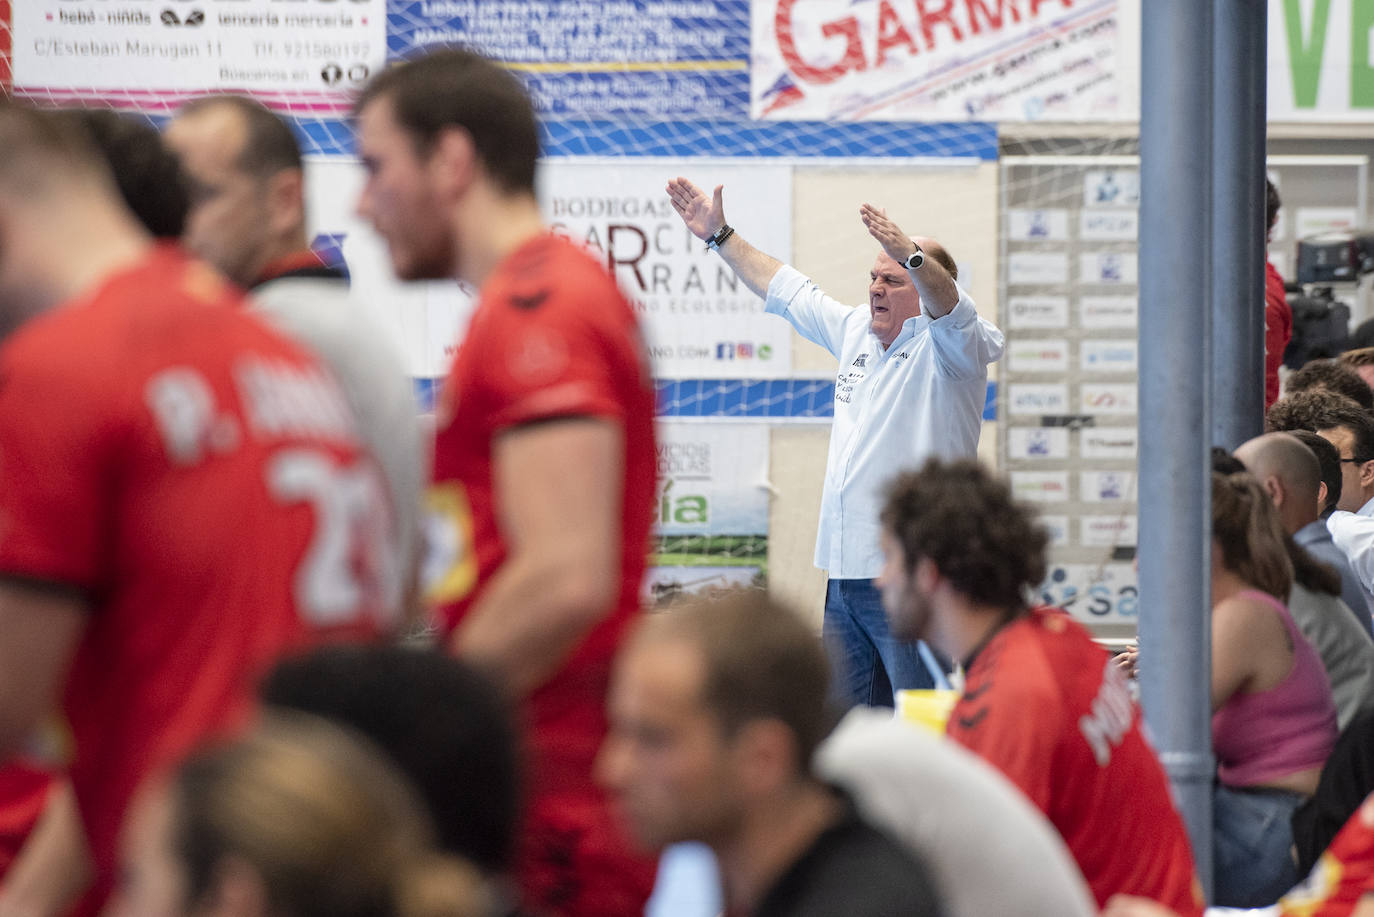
column 915, row 259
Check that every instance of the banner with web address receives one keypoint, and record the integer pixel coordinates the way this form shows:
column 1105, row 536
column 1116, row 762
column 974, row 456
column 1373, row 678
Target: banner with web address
column 909, row 60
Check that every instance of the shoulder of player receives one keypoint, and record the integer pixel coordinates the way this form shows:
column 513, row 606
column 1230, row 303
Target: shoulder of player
column 553, row 277
column 1034, row 654
column 59, row 342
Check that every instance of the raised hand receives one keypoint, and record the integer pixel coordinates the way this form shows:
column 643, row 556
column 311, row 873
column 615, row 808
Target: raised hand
column 702, row 215
column 896, row 243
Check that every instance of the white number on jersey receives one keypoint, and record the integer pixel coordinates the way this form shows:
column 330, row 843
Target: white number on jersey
column 348, row 564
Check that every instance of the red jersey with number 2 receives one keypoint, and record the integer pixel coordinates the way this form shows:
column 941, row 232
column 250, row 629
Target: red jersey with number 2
column 1050, row 709
column 198, row 479
column 552, row 337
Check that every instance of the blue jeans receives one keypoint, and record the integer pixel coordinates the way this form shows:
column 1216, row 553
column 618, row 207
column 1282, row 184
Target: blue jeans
column 867, row 663
column 1252, row 833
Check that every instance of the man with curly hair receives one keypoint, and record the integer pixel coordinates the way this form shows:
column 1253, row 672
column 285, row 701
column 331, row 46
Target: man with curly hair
column 1041, row 702
column 1331, row 376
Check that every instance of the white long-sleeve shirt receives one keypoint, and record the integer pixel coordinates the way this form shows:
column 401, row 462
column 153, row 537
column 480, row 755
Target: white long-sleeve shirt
column 1353, row 533
column 921, row 397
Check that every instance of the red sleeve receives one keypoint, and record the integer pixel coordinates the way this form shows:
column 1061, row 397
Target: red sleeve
column 1278, row 331
column 54, row 445
column 1012, row 729
column 556, row 360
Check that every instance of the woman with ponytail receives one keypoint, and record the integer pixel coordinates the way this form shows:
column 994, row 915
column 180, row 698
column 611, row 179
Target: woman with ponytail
column 1273, row 719
column 297, row 819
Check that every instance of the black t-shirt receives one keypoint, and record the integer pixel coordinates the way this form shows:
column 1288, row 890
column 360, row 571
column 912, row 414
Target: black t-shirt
column 853, row 870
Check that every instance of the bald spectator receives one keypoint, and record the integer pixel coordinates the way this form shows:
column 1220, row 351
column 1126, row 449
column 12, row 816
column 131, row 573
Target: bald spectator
column 1331, row 376
column 1362, row 361
column 1288, row 472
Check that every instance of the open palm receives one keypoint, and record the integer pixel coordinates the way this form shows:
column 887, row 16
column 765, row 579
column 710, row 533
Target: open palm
column 703, row 215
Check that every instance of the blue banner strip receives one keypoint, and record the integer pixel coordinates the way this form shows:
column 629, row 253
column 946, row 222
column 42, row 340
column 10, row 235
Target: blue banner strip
column 770, row 139
column 681, row 139
column 764, row 399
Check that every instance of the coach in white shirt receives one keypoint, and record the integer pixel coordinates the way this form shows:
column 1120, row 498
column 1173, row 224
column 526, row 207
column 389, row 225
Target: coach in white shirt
column 911, row 385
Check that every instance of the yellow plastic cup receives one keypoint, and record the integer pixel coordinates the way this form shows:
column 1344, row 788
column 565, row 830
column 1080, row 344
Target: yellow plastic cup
column 928, row 709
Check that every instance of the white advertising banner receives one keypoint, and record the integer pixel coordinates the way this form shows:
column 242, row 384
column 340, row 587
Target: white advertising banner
column 1107, row 311
column 1037, row 398
column 1314, row 220
column 1108, row 225
column 1038, row 355
column 1320, row 67
column 1038, row 311
column 711, row 517
column 1107, row 356
column 1038, row 442
column 712, row 479
column 700, row 321
column 1040, row 486
column 1092, row 591
column 1107, row 531
column 1107, row 267
column 1111, row 188
column 1108, row 443
column 913, row 60
column 1106, row 486
column 1037, row 268
column 1107, row 398
column 1037, row 225
column 309, row 57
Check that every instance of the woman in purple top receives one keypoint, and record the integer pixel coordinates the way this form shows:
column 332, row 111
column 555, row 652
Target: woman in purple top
column 1273, row 719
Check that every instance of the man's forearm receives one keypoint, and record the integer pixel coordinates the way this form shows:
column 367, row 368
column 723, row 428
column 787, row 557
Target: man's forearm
column 754, row 267
column 531, row 619
column 939, row 293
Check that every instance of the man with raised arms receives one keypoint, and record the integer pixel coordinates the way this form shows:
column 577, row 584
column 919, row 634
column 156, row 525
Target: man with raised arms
column 912, row 383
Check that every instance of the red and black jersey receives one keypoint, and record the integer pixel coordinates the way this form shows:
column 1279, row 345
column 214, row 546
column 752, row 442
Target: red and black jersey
column 1050, row 709
column 552, row 337
column 198, row 479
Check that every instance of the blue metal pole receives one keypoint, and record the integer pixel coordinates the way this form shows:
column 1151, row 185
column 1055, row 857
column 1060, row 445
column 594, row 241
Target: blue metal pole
column 1238, row 107
column 1174, row 419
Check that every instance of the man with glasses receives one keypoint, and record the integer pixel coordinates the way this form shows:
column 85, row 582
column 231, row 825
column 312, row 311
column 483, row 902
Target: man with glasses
column 1351, row 430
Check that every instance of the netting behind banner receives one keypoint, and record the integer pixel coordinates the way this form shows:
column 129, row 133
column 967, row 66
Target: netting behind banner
column 1068, row 437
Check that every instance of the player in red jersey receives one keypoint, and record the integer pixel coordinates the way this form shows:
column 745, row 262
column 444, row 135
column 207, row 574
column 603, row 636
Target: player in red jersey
column 544, row 457
column 183, row 496
column 1041, row 701
column 1341, row 883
